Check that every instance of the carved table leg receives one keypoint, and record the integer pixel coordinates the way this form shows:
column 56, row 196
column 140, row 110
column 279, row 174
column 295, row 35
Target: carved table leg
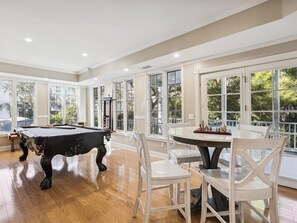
column 46, row 164
column 25, row 151
column 100, row 154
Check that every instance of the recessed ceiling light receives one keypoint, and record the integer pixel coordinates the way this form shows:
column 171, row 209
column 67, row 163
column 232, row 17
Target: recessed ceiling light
column 84, row 54
column 28, row 40
column 126, row 69
column 176, row 55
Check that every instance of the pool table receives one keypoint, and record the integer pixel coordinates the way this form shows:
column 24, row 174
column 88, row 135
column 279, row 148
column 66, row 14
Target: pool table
column 66, row 140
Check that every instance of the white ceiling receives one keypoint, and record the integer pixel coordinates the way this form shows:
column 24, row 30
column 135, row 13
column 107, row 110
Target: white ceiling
column 107, row 30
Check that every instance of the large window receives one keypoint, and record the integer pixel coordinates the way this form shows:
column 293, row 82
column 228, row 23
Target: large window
column 156, row 108
column 130, row 104
column 56, row 104
column 5, row 106
column 119, row 106
column 98, row 94
column 25, row 103
column 223, row 101
column 165, row 100
column 71, row 105
column 174, row 99
column 274, row 102
column 96, row 106
column 124, row 105
column 63, row 104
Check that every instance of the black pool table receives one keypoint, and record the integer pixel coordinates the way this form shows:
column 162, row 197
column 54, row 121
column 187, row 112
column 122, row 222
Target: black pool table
column 66, row 140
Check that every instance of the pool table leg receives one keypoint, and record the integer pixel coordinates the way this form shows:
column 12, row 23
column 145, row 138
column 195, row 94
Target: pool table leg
column 25, row 151
column 46, row 164
column 100, row 154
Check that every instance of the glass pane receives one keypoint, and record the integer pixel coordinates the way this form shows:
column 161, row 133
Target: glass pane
column 261, row 101
column 5, row 106
column 233, row 103
column 159, row 80
column 171, row 78
column 171, row 90
column 214, row 103
column 153, row 80
column 71, row 105
column 288, row 100
column 25, row 104
column 262, row 117
column 160, row 92
column 288, row 78
column 178, row 77
column 286, row 116
column 231, row 117
column 233, row 84
column 261, row 80
column 214, row 119
column 214, row 86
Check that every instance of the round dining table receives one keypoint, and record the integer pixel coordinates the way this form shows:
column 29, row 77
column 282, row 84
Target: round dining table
column 210, row 146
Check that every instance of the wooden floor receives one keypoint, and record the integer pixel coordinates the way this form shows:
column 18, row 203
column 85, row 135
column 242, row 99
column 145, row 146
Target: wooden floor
column 81, row 194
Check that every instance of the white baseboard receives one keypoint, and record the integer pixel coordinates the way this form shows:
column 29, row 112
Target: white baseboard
column 287, row 182
column 4, row 148
column 8, row 147
column 133, row 148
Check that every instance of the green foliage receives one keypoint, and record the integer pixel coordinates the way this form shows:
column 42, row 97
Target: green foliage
column 56, row 119
column 71, row 114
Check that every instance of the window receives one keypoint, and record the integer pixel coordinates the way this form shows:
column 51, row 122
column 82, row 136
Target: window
column 56, row 104
column 130, row 104
column 98, row 94
column 156, row 108
column 71, row 105
column 223, row 101
column 124, row 105
column 119, row 106
column 273, row 102
column 96, row 106
column 165, row 100
column 174, row 99
column 25, row 103
column 5, row 106
column 63, row 104
column 100, row 117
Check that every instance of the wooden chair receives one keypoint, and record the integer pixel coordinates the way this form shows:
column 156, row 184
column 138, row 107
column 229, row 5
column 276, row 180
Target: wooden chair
column 264, row 131
column 158, row 175
column 240, row 184
column 182, row 153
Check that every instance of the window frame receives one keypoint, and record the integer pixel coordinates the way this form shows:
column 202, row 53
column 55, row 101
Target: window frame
column 164, row 119
column 64, row 104
column 124, row 104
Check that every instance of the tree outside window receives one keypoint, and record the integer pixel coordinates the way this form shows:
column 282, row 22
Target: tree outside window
column 130, row 104
column 119, row 106
column 25, row 103
column 5, row 106
column 274, row 102
column 223, row 101
column 174, row 99
column 63, row 105
column 156, row 85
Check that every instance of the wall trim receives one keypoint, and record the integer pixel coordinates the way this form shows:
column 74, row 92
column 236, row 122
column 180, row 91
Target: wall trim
column 133, row 148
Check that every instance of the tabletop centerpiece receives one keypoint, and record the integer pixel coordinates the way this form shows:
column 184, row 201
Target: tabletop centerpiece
column 210, row 130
